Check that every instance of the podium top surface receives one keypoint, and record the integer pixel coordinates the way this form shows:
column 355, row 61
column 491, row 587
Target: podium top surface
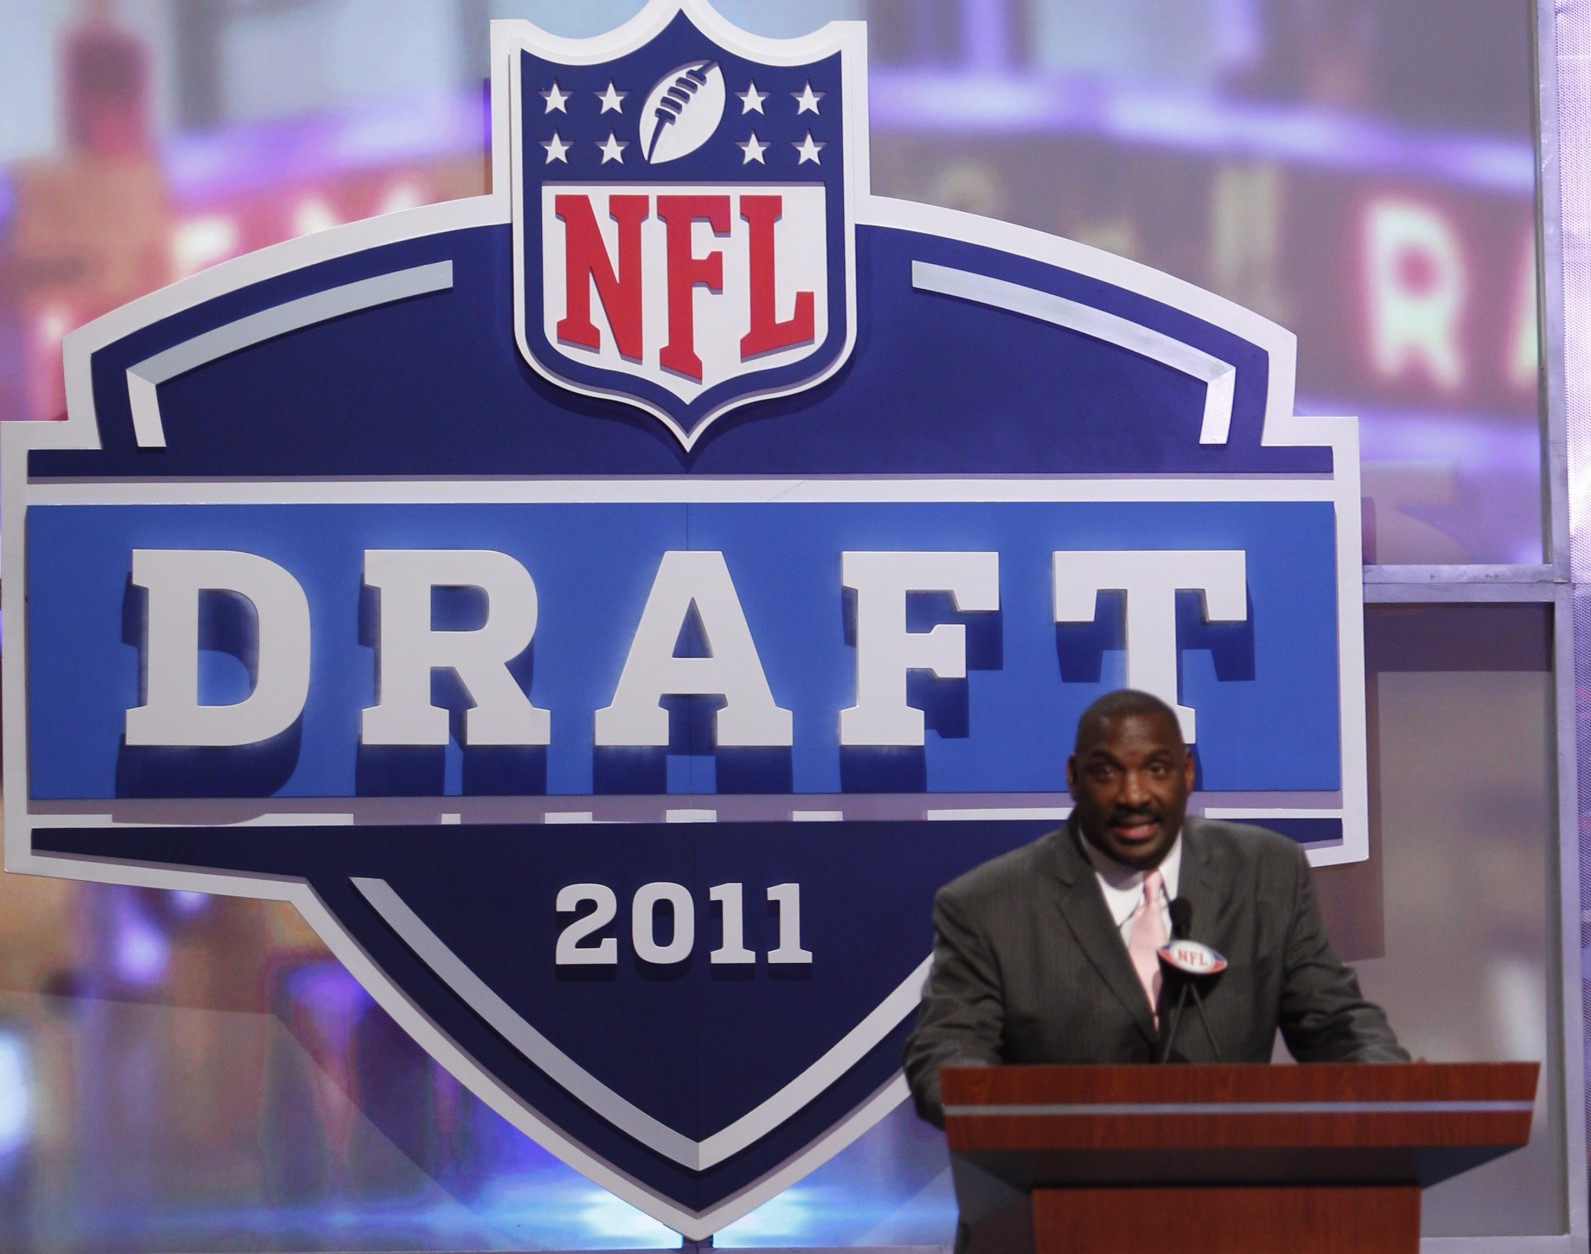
column 1414, row 1121
column 974, row 1089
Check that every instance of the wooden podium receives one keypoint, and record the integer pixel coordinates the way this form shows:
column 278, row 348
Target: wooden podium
column 1326, row 1157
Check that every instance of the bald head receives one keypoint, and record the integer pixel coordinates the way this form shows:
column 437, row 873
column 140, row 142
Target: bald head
column 1123, row 703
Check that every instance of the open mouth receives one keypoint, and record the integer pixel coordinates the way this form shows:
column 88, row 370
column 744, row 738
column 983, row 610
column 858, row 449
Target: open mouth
column 1135, row 828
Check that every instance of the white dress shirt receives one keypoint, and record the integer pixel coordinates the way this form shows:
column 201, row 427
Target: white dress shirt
column 1123, row 886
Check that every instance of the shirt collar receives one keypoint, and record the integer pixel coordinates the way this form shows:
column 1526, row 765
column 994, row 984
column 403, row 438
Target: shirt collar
column 1124, row 886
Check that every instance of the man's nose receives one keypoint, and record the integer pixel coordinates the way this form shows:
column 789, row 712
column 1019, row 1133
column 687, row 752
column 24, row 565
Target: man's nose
column 1134, row 788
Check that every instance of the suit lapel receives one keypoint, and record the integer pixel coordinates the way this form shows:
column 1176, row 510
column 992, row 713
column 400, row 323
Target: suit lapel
column 1208, row 885
column 1083, row 909
column 1200, row 880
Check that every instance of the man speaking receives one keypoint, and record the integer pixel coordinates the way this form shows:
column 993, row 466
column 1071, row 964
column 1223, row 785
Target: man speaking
column 1050, row 954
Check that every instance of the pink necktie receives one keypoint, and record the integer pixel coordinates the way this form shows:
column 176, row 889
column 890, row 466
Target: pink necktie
column 1148, row 935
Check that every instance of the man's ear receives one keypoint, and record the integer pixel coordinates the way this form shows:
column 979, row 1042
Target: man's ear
column 1071, row 775
column 1189, row 769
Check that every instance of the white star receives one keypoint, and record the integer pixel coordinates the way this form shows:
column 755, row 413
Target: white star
column 809, row 149
column 556, row 149
column 555, row 98
column 612, row 99
column 807, row 100
column 613, row 150
column 751, row 99
column 753, row 148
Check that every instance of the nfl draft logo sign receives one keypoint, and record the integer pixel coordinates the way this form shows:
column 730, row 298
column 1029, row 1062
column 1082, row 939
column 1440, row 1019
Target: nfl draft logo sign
column 609, row 608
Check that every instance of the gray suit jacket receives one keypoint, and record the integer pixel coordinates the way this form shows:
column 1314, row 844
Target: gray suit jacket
column 1029, row 967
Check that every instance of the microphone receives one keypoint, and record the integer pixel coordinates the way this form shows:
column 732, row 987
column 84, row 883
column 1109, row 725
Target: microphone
column 1189, row 960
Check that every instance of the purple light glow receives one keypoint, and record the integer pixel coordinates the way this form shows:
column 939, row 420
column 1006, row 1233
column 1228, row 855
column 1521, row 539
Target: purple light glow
column 141, row 953
column 1509, row 445
column 1470, row 483
column 330, row 994
column 16, row 1087
column 986, row 28
column 373, row 134
column 1186, row 121
column 388, row 132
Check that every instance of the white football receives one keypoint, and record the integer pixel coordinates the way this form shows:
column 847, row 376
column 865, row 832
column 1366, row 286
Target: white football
column 682, row 111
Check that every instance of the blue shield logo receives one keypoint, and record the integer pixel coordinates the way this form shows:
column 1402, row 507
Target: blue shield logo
column 682, row 219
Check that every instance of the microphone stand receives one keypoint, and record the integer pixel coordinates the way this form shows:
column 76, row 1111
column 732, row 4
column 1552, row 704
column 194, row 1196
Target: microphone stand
column 1176, row 1018
column 1198, row 1004
column 1181, row 920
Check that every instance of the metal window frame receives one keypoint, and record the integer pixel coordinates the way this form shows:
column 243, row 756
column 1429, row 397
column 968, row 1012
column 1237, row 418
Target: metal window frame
column 1549, row 583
